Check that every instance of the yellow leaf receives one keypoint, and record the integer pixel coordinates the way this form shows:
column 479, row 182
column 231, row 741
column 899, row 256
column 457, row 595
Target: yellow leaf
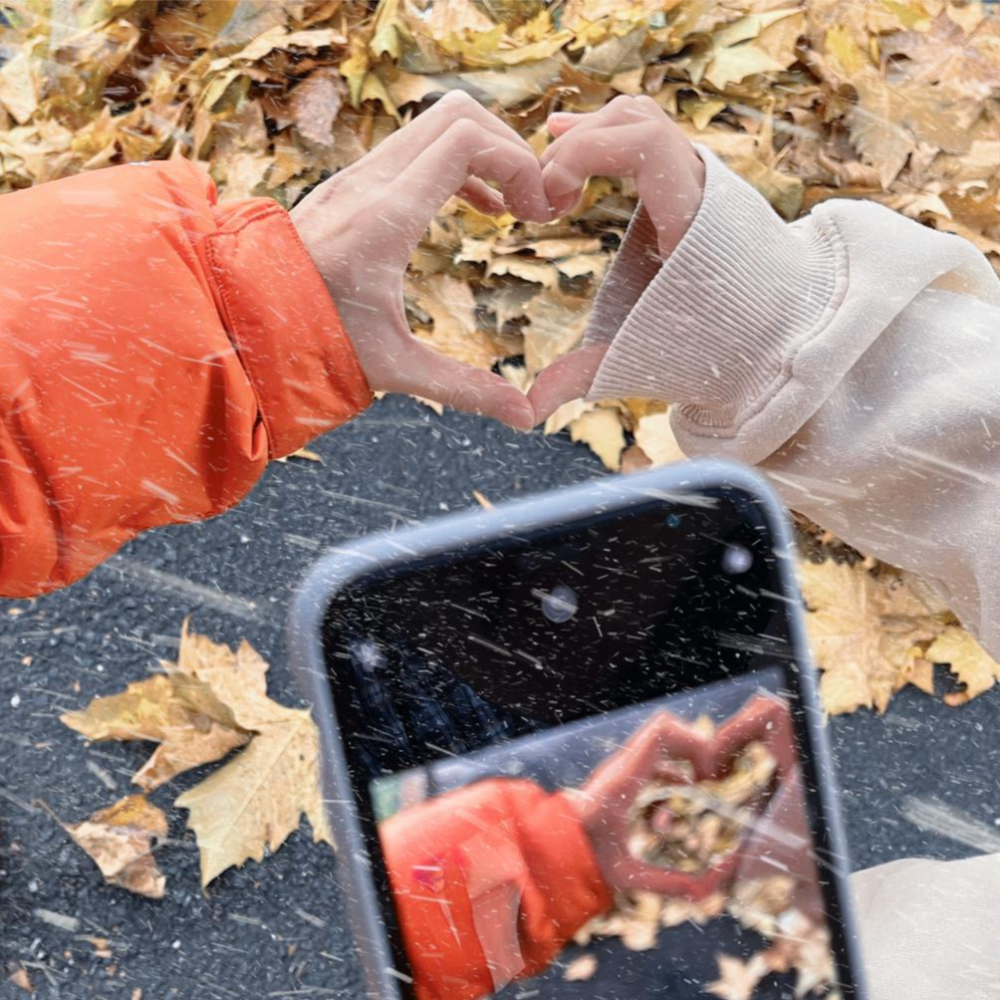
column 354, row 68
column 451, row 306
column 864, row 632
column 580, row 968
column 738, row 979
column 256, row 800
column 567, row 414
column 655, row 436
column 540, row 272
column 305, row 454
column 783, row 191
column 557, row 324
column 841, row 45
column 17, row 88
column 120, row 840
column 701, row 111
column 602, row 431
column 182, row 715
column 877, row 131
column 968, row 661
column 390, row 31
column 236, row 679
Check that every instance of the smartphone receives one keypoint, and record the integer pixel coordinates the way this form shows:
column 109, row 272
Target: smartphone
column 572, row 747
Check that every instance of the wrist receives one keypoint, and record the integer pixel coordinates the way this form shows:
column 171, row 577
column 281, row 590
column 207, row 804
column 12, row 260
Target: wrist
column 713, row 331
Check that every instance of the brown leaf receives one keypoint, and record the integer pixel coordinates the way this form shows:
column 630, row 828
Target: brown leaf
column 557, row 324
column 602, row 431
column 20, row 978
column 121, row 839
column 208, row 674
column 452, row 307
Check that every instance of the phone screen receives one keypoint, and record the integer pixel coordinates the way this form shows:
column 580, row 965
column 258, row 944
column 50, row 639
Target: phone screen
column 582, row 767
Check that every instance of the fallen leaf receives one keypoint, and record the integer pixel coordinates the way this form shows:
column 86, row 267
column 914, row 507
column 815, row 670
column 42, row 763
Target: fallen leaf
column 557, row 324
column 315, row 104
column 451, row 306
column 967, row 660
column 865, row 631
column 580, row 969
column 655, row 436
column 602, row 431
column 483, row 501
column 634, row 459
column 17, row 87
column 255, row 801
column 211, row 701
column 20, row 978
column 184, row 717
column 738, row 979
column 209, row 673
column 121, row 839
column 305, row 454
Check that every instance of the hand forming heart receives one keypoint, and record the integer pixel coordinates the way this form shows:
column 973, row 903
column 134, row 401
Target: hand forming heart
column 669, row 753
column 362, row 225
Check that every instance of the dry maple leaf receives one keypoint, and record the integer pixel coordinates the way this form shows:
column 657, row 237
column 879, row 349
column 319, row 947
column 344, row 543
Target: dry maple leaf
column 211, row 701
column 120, row 840
column 257, row 799
column 166, row 710
column 208, row 674
column 738, row 979
column 970, row 663
column 865, row 632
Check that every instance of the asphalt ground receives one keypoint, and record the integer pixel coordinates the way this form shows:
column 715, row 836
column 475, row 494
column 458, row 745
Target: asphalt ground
column 923, row 780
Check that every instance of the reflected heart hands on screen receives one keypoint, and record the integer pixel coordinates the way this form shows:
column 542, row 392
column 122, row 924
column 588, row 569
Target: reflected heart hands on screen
column 670, row 812
column 362, row 225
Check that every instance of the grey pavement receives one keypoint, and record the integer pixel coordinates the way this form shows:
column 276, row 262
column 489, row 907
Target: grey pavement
column 923, row 780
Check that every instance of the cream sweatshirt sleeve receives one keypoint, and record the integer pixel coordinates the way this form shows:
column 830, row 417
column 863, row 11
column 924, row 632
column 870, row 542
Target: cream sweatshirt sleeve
column 854, row 357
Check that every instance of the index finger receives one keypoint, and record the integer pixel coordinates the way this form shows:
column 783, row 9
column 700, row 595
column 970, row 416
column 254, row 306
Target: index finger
column 467, row 150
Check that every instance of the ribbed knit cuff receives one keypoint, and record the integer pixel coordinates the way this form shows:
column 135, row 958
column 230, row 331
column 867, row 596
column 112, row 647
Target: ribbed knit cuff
column 636, row 264
column 715, row 330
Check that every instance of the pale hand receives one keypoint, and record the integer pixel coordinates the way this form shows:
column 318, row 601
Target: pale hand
column 629, row 137
column 362, row 225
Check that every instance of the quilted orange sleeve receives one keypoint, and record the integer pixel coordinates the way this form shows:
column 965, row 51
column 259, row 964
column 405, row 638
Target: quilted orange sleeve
column 156, row 350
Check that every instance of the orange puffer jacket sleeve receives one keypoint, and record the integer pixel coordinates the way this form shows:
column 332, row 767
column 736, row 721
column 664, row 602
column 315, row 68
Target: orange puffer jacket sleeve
column 489, row 883
column 156, row 350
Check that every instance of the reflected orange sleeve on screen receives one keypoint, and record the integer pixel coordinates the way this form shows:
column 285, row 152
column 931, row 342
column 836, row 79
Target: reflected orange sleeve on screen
column 490, row 883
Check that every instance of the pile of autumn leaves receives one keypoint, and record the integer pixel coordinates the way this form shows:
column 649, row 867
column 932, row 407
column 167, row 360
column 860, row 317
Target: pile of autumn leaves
column 210, row 702
column 891, row 100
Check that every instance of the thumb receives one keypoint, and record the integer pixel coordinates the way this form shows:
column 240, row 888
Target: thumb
column 434, row 376
column 569, row 377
